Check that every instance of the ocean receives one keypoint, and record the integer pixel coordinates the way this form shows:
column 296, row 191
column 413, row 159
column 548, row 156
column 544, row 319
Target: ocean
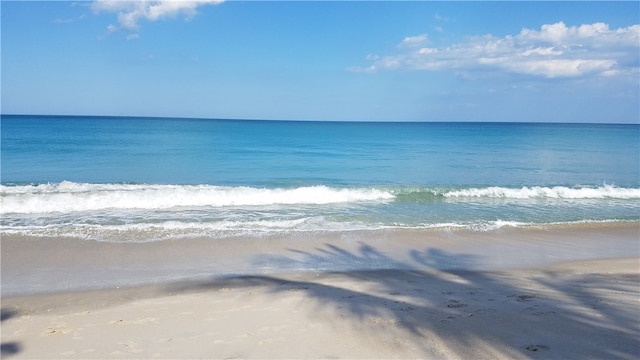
column 131, row 179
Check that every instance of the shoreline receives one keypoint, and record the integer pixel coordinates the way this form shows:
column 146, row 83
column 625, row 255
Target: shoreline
column 50, row 265
column 572, row 310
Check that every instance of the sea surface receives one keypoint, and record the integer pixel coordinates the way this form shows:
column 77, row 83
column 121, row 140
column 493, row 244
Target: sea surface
column 131, row 179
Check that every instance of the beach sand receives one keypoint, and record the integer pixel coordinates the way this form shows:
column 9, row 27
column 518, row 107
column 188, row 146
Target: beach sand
column 418, row 301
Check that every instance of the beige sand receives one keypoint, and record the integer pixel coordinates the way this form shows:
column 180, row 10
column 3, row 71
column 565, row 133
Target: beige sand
column 577, row 310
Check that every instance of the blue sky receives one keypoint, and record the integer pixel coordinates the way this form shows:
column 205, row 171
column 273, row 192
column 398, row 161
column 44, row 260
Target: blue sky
column 301, row 60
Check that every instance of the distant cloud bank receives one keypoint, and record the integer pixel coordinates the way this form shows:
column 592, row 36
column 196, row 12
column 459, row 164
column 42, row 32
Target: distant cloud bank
column 556, row 50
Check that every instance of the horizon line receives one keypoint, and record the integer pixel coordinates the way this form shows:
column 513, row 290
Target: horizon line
column 326, row 120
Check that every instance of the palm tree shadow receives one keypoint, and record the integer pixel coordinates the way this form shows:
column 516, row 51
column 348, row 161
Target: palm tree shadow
column 330, row 258
column 8, row 348
column 402, row 290
column 444, row 300
column 443, row 260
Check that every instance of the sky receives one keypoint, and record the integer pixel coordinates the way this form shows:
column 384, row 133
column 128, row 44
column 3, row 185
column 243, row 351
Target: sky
column 324, row 60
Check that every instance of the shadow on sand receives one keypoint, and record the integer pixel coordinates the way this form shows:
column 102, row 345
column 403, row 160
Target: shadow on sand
column 8, row 348
column 552, row 316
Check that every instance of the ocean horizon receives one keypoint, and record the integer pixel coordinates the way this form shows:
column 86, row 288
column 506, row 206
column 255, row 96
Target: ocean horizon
column 312, row 120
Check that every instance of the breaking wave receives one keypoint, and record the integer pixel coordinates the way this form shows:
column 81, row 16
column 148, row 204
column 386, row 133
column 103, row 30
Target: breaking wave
column 69, row 197
column 556, row 192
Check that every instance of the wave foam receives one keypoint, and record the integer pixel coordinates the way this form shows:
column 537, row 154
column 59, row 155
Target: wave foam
column 68, row 196
column 148, row 232
column 556, row 192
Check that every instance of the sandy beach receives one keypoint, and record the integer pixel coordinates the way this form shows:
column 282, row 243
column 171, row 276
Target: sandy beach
column 212, row 179
column 441, row 298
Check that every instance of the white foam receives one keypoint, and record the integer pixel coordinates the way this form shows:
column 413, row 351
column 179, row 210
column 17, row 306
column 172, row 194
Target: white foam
column 144, row 232
column 149, row 232
column 556, row 192
column 69, row 197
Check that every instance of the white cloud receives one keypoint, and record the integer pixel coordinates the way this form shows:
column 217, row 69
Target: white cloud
column 69, row 20
column 441, row 18
column 555, row 50
column 130, row 13
column 414, row 41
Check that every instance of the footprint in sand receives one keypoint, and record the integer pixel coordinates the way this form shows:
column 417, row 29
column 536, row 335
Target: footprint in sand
column 455, row 304
column 57, row 330
column 537, row 347
column 149, row 320
column 522, row 298
column 450, row 318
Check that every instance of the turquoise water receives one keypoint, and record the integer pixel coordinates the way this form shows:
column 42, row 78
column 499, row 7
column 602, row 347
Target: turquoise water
column 144, row 179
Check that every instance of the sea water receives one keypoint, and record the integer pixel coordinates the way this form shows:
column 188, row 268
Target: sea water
column 129, row 179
